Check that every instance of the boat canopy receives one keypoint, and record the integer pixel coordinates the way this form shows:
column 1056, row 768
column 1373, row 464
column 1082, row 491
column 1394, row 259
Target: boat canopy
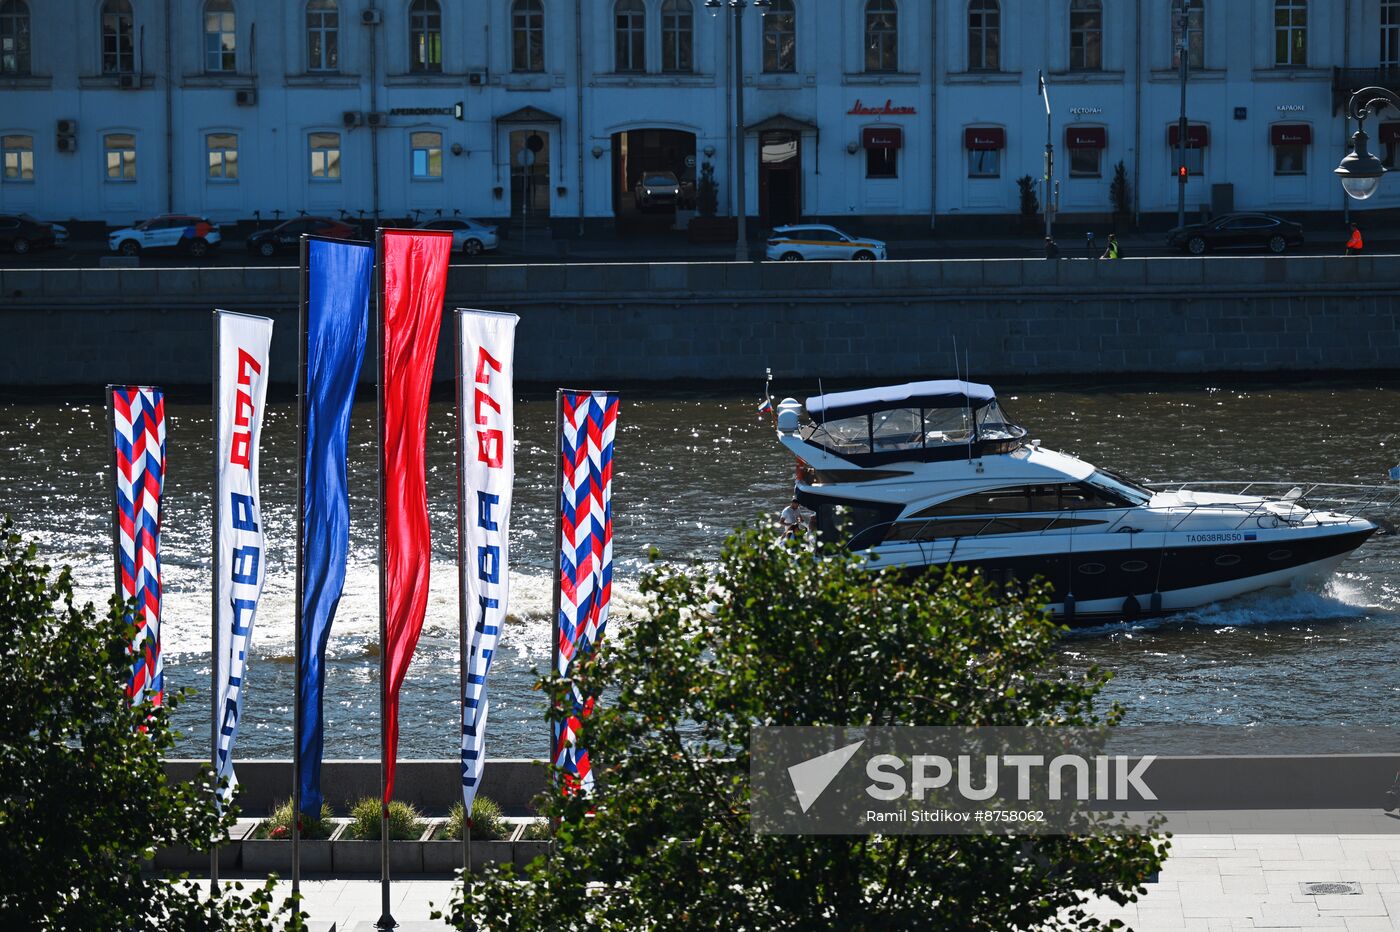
column 937, row 393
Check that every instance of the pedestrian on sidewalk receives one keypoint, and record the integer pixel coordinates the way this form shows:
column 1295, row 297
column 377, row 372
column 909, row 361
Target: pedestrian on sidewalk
column 1112, row 251
column 1354, row 244
column 1052, row 249
column 1091, row 248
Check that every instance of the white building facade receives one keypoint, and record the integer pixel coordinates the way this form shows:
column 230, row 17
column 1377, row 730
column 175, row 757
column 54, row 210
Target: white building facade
column 906, row 112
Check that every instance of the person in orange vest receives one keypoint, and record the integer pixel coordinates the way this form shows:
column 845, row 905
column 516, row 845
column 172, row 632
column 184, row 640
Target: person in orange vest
column 1354, row 244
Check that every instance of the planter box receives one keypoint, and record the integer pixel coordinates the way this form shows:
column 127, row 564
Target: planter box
column 182, row 858
column 445, row 857
column 349, row 856
column 713, row 230
column 265, row 855
column 526, row 850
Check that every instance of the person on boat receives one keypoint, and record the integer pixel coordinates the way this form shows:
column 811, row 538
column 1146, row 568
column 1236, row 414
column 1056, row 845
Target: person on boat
column 1354, row 244
column 794, row 520
column 1112, row 251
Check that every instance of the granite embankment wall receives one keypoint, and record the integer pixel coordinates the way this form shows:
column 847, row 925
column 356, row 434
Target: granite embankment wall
column 599, row 324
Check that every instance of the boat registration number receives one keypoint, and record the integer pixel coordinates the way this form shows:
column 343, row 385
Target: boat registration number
column 1217, row 538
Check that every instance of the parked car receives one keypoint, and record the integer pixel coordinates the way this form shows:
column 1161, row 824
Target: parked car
column 658, row 189
column 469, row 237
column 817, row 241
column 20, row 233
column 195, row 235
column 1237, row 231
column 286, row 235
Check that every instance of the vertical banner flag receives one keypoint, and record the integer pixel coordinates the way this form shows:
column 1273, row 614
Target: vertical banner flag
column 338, row 279
column 243, row 343
column 486, row 451
column 138, row 424
column 587, row 427
column 414, row 280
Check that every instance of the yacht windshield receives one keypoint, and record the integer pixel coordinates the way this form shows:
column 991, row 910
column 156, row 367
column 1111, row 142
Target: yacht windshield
column 1125, row 489
column 993, row 424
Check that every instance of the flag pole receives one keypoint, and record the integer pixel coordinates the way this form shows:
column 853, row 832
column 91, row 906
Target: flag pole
column 214, row 618
column 112, row 493
column 463, row 620
column 297, row 646
column 558, row 543
column 386, row 918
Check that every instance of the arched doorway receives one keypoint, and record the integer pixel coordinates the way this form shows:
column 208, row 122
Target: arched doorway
column 653, row 175
column 529, row 174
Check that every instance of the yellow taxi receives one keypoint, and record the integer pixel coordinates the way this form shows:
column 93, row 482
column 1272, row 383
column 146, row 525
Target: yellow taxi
column 822, row 243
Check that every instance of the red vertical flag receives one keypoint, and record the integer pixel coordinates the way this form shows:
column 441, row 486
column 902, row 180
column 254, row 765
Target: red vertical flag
column 414, row 269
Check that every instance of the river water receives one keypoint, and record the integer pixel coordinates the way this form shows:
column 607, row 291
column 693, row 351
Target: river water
column 688, row 468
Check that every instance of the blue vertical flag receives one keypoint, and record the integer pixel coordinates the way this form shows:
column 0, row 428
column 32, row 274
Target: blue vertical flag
column 338, row 282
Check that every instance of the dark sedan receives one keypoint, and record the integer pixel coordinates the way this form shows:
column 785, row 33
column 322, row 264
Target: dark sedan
column 1237, row 231
column 285, row 236
column 20, row 233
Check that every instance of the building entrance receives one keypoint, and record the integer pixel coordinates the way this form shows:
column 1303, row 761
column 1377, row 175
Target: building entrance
column 780, row 177
column 653, row 173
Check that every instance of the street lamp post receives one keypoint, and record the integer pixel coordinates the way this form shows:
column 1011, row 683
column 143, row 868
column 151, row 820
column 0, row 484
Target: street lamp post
column 741, row 241
column 1360, row 172
column 1183, row 56
column 1049, row 153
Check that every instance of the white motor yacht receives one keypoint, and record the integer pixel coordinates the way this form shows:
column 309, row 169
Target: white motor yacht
column 934, row 473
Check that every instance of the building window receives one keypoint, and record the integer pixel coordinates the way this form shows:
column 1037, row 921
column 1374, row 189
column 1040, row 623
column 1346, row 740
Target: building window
column 1290, row 32
column 881, row 35
column 1290, row 142
column 219, row 36
column 630, row 35
column 984, row 145
column 1085, row 35
column 1390, row 143
column 17, row 159
column 983, row 163
column 1195, row 161
column 1084, row 163
column 983, row 35
column 425, row 155
column 325, row 156
column 527, row 35
column 1390, row 34
column 118, row 50
column 223, row 156
column 780, row 38
column 322, row 35
column 425, row 35
column 14, row 37
column 677, row 35
column 1195, row 34
column 119, row 151
column 881, row 162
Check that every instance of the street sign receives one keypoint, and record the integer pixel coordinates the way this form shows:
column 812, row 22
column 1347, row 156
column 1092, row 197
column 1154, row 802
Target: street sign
column 525, row 157
column 534, row 143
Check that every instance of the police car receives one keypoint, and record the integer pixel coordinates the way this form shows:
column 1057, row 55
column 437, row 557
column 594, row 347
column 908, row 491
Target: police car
column 817, row 241
column 195, row 235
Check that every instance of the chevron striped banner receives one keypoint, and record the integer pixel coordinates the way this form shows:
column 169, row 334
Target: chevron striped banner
column 587, row 428
column 138, row 421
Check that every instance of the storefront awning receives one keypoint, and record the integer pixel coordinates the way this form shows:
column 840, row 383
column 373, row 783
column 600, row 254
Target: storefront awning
column 984, row 137
column 880, row 137
column 1390, row 133
column 1290, row 134
column 1086, row 137
column 1197, row 135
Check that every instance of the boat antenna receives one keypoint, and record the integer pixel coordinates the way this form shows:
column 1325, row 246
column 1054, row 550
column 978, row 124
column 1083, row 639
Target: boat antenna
column 967, row 398
column 821, row 391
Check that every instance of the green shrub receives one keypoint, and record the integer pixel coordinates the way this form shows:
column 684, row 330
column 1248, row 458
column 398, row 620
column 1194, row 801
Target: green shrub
column 487, row 824
column 280, row 825
column 538, row 830
column 405, row 824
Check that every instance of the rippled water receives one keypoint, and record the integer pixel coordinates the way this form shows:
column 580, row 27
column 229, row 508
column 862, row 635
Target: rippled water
column 688, row 469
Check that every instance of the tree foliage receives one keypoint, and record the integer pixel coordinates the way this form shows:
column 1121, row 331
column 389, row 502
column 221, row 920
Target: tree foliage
column 86, row 801
column 781, row 635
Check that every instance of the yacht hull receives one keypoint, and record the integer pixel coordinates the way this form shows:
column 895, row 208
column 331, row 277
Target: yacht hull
column 1096, row 586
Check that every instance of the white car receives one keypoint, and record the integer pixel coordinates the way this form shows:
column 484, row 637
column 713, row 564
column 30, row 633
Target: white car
column 195, row 235
column 820, row 242
column 469, row 237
